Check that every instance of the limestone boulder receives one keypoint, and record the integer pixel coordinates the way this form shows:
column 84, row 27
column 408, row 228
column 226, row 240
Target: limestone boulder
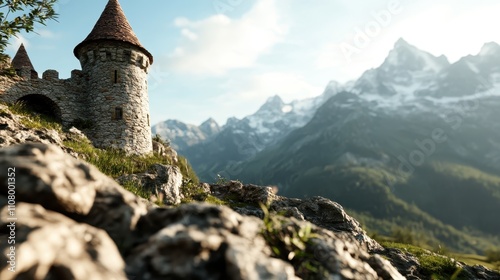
column 238, row 192
column 45, row 175
column 49, row 245
column 201, row 241
column 163, row 182
column 344, row 258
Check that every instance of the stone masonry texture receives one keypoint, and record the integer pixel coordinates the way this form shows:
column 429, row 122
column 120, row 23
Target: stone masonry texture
column 109, row 94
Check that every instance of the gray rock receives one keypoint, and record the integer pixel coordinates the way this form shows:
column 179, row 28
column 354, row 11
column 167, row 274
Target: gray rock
column 293, row 212
column 159, row 148
column 409, row 266
column 406, row 263
column 52, row 246
column 479, row 272
column 47, row 176
column 384, row 268
column 236, row 191
column 75, row 132
column 329, row 215
column 13, row 131
column 198, row 241
column 171, row 153
column 165, row 150
column 162, row 181
column 317, row 210
column 334, row 255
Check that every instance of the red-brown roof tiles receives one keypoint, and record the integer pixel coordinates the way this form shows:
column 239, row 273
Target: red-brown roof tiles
column 113, row 25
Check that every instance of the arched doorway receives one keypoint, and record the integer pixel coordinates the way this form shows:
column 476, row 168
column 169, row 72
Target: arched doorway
column 41, row 104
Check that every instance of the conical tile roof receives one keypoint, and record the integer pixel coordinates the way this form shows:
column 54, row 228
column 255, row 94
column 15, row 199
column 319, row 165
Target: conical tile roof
column 113, row 25
column 21, row 59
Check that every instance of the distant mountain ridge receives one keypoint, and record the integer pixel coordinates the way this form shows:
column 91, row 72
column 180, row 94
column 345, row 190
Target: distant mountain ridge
column 240, row 139
column 407, row 145
column 410, row 143
column 408, row 78
column 182, row 135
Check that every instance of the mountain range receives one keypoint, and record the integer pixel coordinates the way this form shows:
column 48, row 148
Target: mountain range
column 413, row 143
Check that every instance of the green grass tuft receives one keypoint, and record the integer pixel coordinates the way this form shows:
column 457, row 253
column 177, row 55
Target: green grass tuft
column 292, row 242
column 33, row 120
column 434, row 266
column 114, row 162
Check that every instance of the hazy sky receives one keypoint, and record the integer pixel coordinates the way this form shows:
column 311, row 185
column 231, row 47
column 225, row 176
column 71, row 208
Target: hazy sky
column 224, row 58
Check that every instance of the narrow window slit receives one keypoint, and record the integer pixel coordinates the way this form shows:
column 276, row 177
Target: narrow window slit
column 118, row 113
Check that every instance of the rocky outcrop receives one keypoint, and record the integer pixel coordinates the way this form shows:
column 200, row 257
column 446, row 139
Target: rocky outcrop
column 320, row 211
column 12, row 131
column 73, row 222
column 47, row 176
column 410, row 266
column 201, row 241
column 165, row 150
column 52, row 246
column 330, row 218
column 194, row 241
column 18, row 129
column 162, row 181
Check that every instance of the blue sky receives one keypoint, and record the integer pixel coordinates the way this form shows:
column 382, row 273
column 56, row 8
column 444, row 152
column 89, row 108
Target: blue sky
column 224, row 58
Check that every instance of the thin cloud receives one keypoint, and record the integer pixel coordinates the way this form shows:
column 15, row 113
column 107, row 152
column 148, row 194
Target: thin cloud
column 218, row 44
column 289, row 86
column 15, row 42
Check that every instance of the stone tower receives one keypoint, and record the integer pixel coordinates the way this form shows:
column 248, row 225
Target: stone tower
column 115, row 66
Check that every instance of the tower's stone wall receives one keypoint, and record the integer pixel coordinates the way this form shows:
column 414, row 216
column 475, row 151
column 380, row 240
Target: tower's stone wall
column 117, row 95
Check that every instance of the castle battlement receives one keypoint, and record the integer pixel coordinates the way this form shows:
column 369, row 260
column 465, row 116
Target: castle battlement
column 26, row 73
column 125, row 54
column 110, row 93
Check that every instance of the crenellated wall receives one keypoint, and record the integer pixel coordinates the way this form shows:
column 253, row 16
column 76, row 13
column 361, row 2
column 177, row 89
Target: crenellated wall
column 66, row 94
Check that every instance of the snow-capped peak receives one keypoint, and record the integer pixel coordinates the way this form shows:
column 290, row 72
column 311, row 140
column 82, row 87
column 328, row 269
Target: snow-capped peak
column 210, row 123
column 490, row 48
column 402, row 43
column 210, row 127
column 408, row 57
column 274, row 104
column 275, row 100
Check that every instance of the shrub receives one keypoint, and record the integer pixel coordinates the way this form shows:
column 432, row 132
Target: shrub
column 493, row 255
